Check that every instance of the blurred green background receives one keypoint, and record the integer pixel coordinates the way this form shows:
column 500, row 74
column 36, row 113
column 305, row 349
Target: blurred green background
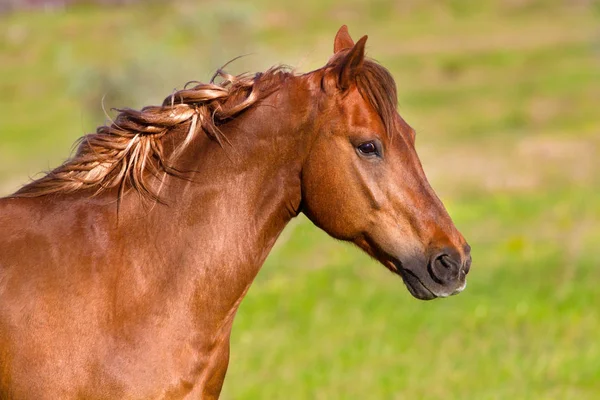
column 504, row 95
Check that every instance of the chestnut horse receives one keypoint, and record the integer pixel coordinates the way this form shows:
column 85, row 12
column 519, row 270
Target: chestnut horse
column 121, row 270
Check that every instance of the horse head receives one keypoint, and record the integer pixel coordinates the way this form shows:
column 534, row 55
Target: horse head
column 362, row 180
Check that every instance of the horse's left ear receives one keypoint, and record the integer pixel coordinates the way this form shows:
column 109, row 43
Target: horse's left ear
column 342, row 40
column 351, row 63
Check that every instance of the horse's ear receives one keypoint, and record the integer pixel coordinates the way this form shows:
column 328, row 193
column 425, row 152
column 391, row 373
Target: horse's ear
column 342, row 40
column 351, row 64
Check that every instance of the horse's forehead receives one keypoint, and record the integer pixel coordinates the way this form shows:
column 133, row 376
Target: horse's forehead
column 359, row 112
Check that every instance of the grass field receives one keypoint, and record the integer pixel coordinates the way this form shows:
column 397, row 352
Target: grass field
column 504, row 96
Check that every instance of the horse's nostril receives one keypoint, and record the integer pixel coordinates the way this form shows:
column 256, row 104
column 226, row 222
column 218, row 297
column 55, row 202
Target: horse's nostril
column 445, row 261
column 444, row 268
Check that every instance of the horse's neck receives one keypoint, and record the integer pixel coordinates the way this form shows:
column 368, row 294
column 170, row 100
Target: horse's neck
column 218, row 228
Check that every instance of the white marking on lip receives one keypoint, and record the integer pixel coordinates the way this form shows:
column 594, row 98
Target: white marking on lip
column 456, row 291
column 460, row 289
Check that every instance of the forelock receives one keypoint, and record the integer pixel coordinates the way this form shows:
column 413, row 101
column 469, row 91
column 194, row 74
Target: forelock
column 377, row 86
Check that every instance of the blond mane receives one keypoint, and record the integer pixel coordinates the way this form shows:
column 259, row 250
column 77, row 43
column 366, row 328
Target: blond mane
column 121, row 155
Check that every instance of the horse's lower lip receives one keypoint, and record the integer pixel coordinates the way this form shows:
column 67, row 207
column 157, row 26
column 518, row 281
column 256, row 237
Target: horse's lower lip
column 415, row 286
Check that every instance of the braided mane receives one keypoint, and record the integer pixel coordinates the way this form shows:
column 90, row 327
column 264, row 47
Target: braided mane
column 120, row 155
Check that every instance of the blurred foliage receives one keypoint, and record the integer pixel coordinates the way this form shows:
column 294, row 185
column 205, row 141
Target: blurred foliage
column 12, row 5
column 504, row 97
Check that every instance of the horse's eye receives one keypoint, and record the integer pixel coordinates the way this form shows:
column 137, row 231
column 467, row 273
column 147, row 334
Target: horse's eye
column 367, row 148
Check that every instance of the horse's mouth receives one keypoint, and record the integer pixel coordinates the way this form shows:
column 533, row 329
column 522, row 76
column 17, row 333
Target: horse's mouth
column 414, row 285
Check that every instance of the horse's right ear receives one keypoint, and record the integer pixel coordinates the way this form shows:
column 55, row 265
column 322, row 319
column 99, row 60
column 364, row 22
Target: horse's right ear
column 342, row 40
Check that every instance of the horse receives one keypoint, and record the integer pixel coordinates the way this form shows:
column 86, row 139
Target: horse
column 122, row 269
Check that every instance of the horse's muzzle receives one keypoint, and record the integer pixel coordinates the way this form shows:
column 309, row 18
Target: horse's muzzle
column 442, row 276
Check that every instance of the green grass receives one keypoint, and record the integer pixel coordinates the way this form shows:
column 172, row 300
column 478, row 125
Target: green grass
column 504, row 97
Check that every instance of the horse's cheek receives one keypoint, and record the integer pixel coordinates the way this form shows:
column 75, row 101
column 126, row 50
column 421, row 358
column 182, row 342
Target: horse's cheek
column 327, row 197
